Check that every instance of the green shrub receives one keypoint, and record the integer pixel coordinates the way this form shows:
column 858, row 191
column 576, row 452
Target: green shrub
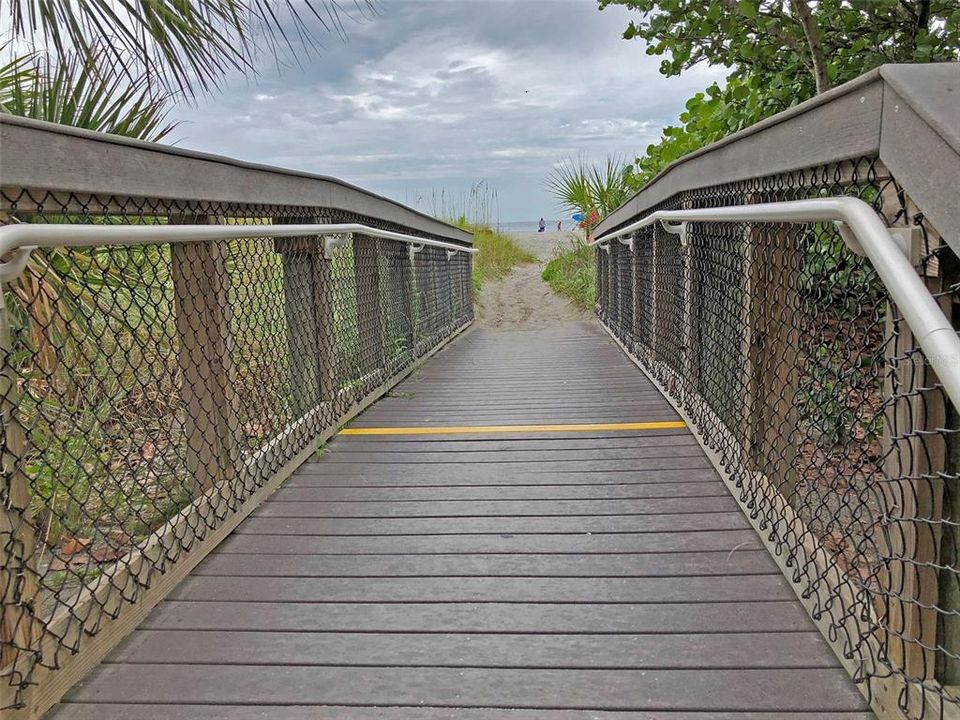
column 572, row 273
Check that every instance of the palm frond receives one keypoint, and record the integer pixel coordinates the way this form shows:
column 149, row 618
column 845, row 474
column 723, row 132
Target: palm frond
column 589, row 189
column 186, row 46
column 95, row 95
column 16, row 73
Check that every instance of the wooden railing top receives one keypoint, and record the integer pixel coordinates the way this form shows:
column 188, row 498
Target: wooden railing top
column 47, row 156
column 908, row 115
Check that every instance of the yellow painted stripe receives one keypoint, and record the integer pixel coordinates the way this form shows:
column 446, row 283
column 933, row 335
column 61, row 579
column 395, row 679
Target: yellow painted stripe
column 478, row 429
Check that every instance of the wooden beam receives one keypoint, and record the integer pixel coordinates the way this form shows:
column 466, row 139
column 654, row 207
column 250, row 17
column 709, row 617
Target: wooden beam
column 20, row 625
column 308, row 311
column 203, row 320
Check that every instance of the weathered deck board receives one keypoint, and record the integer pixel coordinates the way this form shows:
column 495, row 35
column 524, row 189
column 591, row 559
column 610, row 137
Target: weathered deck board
column 769, row 689
column 294, row 712
column 500, row 617
column 559, row 576
column 573, row 544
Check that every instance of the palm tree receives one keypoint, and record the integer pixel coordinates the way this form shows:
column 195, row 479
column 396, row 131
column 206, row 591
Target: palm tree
column 594, row 191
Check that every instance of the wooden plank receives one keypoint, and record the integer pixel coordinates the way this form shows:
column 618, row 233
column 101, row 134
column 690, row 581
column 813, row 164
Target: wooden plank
column 349, row 509
column 724, row 650
column 741, row 689
column 528, row 618
column 506, row 415
column 544, row 441
column 334, row 464
column 574, row 543
column 558, row 417
column 464, row 456
column 427, row 476
column 434, row 493
column 545, row 404
column 657, row 462
column 76, row 711
column 741, row 562
column 717, row 588
column 497, row 526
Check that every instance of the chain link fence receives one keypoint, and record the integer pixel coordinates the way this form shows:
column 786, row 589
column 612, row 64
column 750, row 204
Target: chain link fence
column 149, row 392
column 783, row 350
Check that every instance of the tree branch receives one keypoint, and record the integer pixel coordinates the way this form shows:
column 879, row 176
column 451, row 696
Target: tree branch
column 777, row 31
column 809, row 25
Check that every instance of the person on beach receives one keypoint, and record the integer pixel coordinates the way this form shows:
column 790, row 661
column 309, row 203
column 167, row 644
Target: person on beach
column 559, row 225
column 543, row 225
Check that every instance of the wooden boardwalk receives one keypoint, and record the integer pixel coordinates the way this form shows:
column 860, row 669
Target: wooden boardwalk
column 603, row 574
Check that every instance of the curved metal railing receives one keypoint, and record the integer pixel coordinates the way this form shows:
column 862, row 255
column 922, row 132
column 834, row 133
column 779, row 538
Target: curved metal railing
column 865, row 234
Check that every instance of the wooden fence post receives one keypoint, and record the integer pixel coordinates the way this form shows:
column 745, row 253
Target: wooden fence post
column 308, row 311
column 613, row 286
column 667, row 298
column 915, row 456
column 445, row 298
column 466, row 279
column 642, row 302
column 203, row 321
column 771, row 349
column 603, row 261
column 426, row 298
column 366, row 273
column 21, row 628
column 398, row 306
column 456, row 290
column 627, row 284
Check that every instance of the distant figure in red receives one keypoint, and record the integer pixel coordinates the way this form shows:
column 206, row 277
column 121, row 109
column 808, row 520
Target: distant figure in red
column 559, row 225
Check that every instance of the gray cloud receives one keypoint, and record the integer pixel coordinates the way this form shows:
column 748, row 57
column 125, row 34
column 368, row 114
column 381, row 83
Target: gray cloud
column 434, row 94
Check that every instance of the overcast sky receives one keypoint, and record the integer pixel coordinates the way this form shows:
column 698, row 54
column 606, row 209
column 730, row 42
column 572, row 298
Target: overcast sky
column 437, row 95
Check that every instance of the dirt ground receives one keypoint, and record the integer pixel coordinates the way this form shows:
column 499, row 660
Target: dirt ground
column 522, row 300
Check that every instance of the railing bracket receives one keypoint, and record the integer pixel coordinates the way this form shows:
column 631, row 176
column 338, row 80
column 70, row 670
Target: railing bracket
column 332, row 242
column 451, row 253
column 679, row 228
column 11, row 269
column 910, row 241
column 629, row 241
column 413, row 250
column 849, row 238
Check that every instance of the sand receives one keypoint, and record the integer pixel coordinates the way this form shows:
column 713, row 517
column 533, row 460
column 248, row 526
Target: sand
column 522, row 300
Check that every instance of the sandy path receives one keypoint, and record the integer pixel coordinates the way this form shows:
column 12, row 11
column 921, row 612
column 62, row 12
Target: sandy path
column 522, row 300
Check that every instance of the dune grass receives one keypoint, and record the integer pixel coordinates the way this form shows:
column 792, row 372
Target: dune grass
column 572, row 273
column 499, row 253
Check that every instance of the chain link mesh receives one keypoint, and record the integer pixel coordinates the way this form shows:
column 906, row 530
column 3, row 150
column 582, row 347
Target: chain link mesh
column 784, row 350
column 149, row 392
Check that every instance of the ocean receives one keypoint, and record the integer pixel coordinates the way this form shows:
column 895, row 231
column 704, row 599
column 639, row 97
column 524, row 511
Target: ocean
column 532, row 225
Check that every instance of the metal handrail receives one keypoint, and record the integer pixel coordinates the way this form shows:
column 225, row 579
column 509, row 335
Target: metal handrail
column 866, row 234
column 21, row 239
